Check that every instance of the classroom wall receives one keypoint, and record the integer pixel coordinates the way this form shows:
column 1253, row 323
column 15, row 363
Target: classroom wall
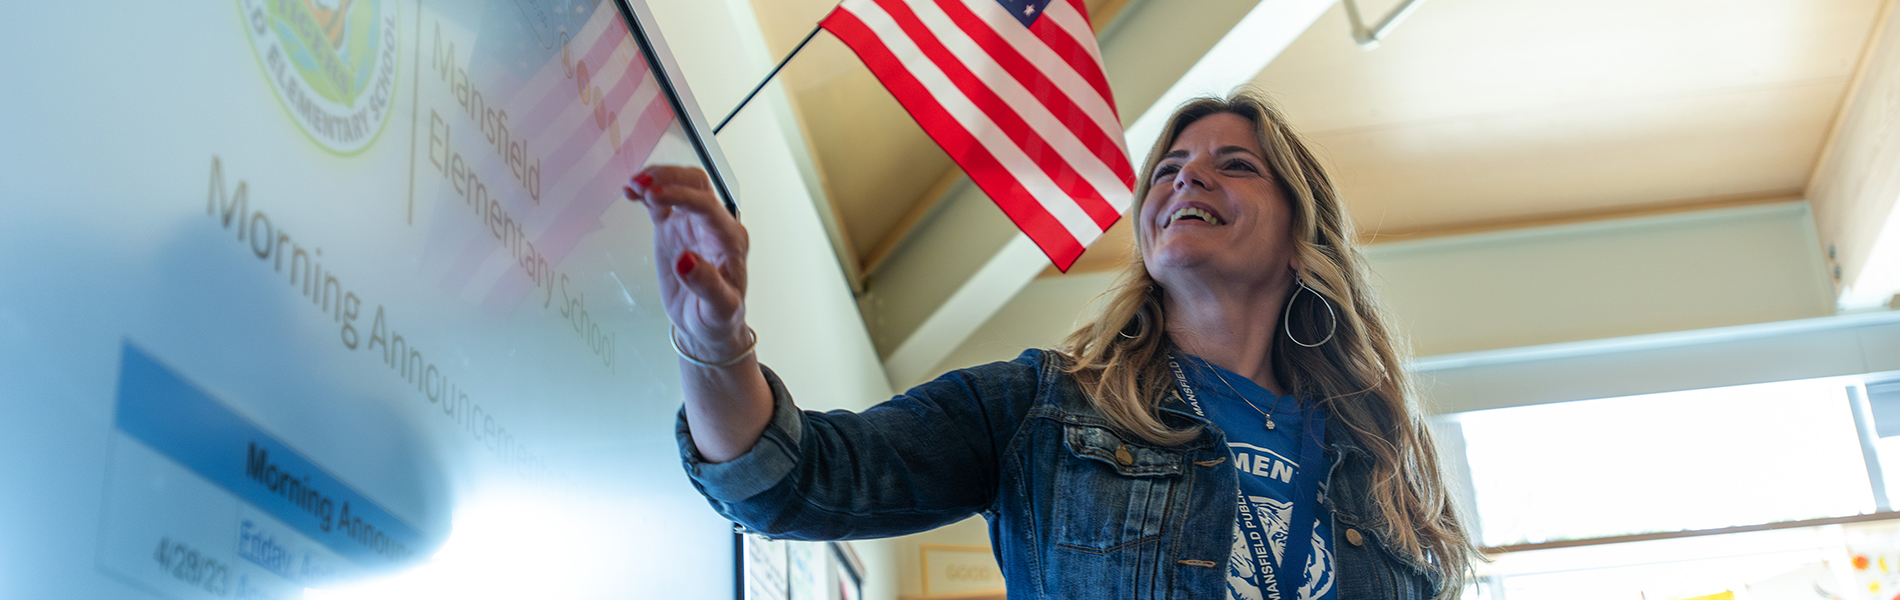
column 1532, row 286
column 1603, row 279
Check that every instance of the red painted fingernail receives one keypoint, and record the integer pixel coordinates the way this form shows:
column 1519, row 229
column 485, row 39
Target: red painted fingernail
column 685, row 265
column 643, row 180
column 627, row 190
column 653, row 189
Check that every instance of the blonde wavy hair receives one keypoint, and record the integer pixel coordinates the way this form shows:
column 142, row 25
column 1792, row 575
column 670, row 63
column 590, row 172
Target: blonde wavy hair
column 1121, row 357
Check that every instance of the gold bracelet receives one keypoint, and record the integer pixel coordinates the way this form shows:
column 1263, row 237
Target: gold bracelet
column 672, row 334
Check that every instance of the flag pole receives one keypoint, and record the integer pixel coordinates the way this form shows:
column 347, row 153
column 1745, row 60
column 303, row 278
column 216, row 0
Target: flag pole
column 768, row 78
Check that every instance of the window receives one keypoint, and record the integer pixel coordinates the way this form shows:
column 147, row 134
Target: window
column 1699, row 459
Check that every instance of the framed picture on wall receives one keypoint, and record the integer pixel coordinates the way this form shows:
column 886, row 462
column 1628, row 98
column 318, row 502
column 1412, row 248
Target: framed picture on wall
column 790, row 570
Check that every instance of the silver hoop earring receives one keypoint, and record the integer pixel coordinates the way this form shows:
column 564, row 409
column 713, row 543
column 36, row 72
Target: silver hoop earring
column 1286, row 316
column 1141, row 320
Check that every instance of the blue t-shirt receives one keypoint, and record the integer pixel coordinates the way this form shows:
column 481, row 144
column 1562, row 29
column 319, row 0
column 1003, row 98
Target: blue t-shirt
column 1268, row 460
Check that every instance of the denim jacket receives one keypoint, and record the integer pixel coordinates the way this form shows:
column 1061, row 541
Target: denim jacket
column 1076, row 509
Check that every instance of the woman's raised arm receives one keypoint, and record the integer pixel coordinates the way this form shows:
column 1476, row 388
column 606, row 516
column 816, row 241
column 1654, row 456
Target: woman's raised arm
column 700, row 250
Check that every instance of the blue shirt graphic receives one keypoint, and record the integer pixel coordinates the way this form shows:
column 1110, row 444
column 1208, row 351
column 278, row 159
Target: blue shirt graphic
column 1268, row 461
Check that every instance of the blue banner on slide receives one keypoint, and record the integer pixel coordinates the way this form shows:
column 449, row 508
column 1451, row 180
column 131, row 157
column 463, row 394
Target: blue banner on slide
column 178, row 419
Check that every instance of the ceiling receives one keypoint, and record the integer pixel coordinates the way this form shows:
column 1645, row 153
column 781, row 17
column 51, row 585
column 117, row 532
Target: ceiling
column 1482, row 111
column 1491, row 114
column 1471, row 115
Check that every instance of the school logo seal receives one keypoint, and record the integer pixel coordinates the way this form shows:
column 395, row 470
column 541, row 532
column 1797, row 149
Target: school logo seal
column 332, row 63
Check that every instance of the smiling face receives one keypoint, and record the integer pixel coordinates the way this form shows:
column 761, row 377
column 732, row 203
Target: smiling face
column 1214, row 213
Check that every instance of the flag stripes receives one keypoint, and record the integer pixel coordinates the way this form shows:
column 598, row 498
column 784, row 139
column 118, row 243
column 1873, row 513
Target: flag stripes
column 1031, row 125
column 1025, row 111
column 1092, row 119
column 1068, row 36
column 1017, row 164
column 1022, row 207
column 1081, row 85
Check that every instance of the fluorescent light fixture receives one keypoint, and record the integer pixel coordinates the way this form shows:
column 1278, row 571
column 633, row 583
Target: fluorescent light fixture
column 1368, row 37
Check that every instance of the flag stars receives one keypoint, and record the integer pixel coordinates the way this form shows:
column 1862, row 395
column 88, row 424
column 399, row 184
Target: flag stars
column 1029, row 10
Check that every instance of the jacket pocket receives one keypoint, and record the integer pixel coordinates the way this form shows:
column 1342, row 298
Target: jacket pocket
column 1114, row 494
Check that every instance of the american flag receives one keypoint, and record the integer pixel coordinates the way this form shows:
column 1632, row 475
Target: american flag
column 1015, row 92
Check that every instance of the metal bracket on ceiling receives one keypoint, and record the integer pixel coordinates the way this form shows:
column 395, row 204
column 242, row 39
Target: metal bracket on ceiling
column 1368, row 38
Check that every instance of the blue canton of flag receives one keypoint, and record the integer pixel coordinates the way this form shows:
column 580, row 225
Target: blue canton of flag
column 1025, row 10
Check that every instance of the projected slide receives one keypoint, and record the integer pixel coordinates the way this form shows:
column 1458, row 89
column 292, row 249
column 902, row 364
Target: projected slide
column 340, row 299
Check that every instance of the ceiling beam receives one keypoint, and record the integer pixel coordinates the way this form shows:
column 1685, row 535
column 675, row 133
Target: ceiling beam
column 1856, row 182
column 963, row 262
column 1249, row 44
column 932, row 199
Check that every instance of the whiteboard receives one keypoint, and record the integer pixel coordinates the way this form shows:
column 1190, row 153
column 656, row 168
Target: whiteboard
column 339, row 298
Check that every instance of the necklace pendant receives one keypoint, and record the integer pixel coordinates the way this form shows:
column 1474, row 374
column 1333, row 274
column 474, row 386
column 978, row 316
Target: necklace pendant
column 1270, row 424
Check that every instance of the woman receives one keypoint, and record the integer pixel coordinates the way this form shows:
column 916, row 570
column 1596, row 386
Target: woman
column 1238, row 406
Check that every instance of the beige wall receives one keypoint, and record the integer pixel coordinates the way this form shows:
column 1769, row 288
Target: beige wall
column 973, row 531
column 1533, row 286
column 1604, row 279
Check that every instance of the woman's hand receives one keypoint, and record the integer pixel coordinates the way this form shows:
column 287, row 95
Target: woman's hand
column 700, row 250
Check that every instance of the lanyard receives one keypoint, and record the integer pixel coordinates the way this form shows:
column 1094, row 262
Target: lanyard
column 1291, row 572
